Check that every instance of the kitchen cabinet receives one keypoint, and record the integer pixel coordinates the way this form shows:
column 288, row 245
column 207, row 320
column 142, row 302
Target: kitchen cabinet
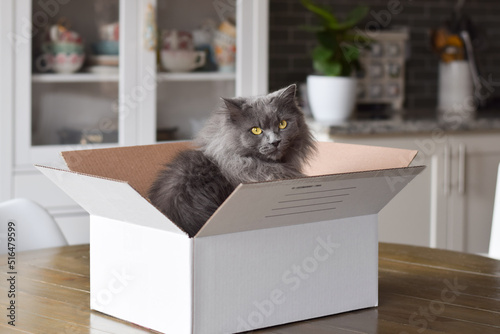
column 450, row 205
column 44, row 113
column 472, row 183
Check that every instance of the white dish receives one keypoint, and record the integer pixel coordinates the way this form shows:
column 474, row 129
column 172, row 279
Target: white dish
column 182, row 60
column 100, row 69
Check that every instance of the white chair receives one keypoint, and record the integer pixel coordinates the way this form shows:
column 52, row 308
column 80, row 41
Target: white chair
column 494, row 251
column 34, row 227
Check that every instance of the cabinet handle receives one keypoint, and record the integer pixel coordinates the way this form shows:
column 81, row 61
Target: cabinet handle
column 446, row 183
column 461, row 169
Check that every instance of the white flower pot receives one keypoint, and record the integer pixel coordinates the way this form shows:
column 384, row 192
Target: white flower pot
column 332, row 99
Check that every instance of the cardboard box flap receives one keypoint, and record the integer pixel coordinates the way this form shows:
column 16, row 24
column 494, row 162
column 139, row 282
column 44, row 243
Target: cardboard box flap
column 291, row 202
column 109, row 198
column 333, row 158
column 137, row 165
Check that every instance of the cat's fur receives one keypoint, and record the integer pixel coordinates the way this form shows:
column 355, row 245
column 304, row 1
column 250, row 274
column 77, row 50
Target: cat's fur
column 197, row 182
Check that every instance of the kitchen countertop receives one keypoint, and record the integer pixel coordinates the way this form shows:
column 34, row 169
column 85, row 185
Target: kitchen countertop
column 397, row 127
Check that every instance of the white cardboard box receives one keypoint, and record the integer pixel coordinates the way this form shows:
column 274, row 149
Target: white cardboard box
column 274, row 252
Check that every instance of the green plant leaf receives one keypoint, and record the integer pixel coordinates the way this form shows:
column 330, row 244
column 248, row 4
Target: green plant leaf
column 338, row 50
column 322, row 12
column 328, row 68
column 320, row 53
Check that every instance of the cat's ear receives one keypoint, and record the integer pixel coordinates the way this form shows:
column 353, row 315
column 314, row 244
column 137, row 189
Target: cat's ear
column 286, row 97
column 288, row 93
column 234, row 107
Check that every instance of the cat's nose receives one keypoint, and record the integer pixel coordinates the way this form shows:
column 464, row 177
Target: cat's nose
column 276, row 143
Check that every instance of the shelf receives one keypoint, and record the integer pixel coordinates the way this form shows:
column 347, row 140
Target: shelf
column 74, row 77
column 72, row 147
column 196, row 76
column 161, row 76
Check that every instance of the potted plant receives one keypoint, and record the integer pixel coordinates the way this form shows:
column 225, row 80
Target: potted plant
column 332, row 90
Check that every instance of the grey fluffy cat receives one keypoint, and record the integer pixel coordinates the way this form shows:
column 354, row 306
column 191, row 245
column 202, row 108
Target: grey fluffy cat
column 249, row 139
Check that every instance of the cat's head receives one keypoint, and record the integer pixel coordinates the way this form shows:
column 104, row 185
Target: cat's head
column 270, row 127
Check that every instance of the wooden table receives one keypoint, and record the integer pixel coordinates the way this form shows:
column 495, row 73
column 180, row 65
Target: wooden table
column 421, row 290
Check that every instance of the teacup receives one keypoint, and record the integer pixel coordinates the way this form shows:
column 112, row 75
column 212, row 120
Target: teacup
column 62, row 47
column 61, row 62
column 182, row 60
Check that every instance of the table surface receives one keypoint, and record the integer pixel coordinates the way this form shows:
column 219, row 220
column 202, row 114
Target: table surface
column 421, row 290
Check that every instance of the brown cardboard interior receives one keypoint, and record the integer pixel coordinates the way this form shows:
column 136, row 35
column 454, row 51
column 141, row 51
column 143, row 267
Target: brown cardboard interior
column 336, row 158
column 139, row 165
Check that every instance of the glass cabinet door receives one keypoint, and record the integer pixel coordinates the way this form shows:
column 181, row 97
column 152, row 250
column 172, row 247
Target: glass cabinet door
column 75, row 74
column 196, row 63
column 100, row 73
column 68, row 76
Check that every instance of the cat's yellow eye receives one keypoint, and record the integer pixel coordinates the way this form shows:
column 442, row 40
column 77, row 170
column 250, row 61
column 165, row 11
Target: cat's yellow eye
column 256, row 131
column 283, row 124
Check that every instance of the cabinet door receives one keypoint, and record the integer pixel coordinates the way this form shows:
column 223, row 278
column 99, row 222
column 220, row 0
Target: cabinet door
column 417, row 214
column 75, row 70
column 118, row 96
column 474, row 171
column 413, row 216
column 232, row 35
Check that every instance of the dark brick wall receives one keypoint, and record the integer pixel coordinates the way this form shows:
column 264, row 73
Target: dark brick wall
column 290, row 46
